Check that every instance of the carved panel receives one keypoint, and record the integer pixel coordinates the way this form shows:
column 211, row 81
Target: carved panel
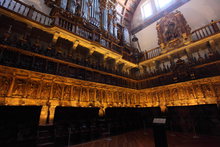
column 217, row 89
column 76, row 93
column 4, row 85
column 129, row 98
column 161, row 97
column 174, row 94
column 57, row 91
column 167, row 95
column 104, row 95
column 115, row 97
column 19, row 88
column 109, row 97
column 67, row 92
column 84, row 97
column 92, row 95
column 46, row 89
column 142, row 97
column 98, row 95
column 32, row 88
column 133, row 99
column 207, row 90
column 198, row 91
column 191, row 93
column 149, row 98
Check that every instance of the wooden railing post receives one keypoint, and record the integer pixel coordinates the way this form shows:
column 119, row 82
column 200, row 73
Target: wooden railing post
column 215, row 26
column 30, row 12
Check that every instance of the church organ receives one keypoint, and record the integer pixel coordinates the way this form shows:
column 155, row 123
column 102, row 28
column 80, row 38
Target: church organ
column 97, row 15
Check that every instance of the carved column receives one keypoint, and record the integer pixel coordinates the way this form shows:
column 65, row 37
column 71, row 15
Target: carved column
column 47, row 114
column 75, row 44
column 39, row 90
column 11, row 87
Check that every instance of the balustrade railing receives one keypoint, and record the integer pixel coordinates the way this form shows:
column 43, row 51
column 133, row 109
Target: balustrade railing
column 128, row 57
column 31, row 13
column 27, row 11
column 201, row 33
column 72, row 26
column 206, row 31
column 151, row 53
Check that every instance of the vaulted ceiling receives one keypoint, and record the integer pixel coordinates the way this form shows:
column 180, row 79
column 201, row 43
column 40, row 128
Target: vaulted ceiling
column 126, row 9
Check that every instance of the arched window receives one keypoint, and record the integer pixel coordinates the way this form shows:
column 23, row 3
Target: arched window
column 163, row 3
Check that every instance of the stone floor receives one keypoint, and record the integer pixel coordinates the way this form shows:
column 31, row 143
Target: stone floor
column 146, row 139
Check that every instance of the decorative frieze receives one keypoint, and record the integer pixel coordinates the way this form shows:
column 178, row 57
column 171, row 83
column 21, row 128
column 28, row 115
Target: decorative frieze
column 23, row 87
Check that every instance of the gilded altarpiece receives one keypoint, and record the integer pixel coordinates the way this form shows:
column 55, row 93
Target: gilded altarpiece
column 173, row 31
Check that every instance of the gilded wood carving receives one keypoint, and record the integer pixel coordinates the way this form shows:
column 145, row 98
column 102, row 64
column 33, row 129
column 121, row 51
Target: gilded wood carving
column 173, row 31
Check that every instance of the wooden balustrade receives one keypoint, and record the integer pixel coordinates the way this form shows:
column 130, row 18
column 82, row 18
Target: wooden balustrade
column 31, row 13
column 206, row 31
column 128, row 57
column 27, row 11
column 151, row 53
column 201, row 33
